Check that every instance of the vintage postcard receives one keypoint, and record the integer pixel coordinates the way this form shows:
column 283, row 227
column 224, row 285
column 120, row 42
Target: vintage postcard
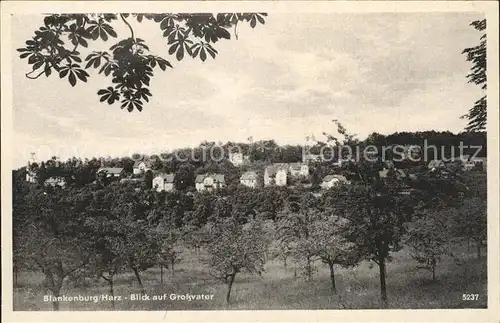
column 250, row 161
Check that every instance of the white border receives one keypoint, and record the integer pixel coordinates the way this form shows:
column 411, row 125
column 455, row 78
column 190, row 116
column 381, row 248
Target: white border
column 490, row 8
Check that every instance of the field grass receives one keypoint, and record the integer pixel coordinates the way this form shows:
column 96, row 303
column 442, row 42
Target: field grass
column 278, row 288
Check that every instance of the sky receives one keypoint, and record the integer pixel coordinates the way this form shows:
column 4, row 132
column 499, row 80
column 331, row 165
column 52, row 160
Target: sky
column 286, row 80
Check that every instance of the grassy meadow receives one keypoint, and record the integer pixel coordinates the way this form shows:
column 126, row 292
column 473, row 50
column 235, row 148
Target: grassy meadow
column 358, row 288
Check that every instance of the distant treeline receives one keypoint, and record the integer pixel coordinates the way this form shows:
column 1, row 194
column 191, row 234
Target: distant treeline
column 186, row 163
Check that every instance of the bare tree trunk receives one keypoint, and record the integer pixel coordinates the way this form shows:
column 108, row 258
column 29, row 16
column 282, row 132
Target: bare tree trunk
column 138, row 276
column 309, row 269
column 332, row 277
column 173, row 266
column 161, row 274
column 433, row 269
column 230, row 285
column 112, row 291
column 383, row 289
column 55, row 302
column 478, row 249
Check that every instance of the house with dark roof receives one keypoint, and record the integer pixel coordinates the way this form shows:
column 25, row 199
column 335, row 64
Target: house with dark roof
column 249, row 179
column 111, row 172
column 163, row 182
column 209, row 182
column 276, row 174
column 330, row 181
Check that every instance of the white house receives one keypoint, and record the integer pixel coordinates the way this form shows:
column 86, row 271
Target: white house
column 275, row 174
column 55, row 181
column 249, row 179
column 141, row 167
column 294, row 169
column 164, row 182
column 30, row 169
column 237, row 159
column 30, row 174
column 299, row 169
column 208, row 182
column 330, row 181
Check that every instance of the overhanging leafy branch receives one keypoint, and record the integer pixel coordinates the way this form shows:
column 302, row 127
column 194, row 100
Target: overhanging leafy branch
column 128, row 63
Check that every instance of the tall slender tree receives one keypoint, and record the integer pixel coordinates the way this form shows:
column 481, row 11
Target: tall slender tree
column 477, row 56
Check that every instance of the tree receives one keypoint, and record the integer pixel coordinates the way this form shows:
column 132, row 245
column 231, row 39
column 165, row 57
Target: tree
column 169, row 251
column 470, row 222
column 118, row 218
column 128, row 63
column 331, row 244
column 55, row 242
column 20, row 220
column 109, row 262
column 477, row 56
column 293, row 230
column 377, row 216
column 184, row 177
column 137, row 234
column 234, row 247
column 148, row 180
column 428, row 239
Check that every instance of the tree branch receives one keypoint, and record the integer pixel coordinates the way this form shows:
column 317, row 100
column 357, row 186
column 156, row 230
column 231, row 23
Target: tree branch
column 129, row 26
column 51, row 65
column 106, row 279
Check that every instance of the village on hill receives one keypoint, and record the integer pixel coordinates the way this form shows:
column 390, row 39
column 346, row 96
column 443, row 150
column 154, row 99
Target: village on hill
column 312, row 171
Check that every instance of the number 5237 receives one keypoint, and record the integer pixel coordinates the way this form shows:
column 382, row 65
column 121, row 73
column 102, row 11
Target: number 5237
column 470, row 297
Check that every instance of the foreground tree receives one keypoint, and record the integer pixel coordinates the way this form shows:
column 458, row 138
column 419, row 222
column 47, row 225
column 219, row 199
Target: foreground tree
column 331, row 244
column 427, row 237
column 477, row 56
column 294, row 239
column 108, row 263
column 117, row 218
column 128, row 63
column 234, row 247
column 170, row 243
column 470, row 222
column 377, row 216
column 54, row 241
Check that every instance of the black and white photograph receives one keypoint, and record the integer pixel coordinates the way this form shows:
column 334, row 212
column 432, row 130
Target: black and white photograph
column 227, row 159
